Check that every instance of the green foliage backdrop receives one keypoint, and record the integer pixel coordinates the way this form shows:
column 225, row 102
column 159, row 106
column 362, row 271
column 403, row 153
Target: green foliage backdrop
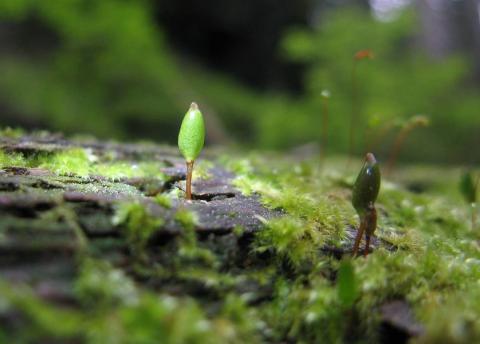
column 111, row 73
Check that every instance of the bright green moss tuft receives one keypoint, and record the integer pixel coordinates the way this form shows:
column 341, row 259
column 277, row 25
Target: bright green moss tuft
column 188, row 219
column 163, row 200
column 72, row 161
column 12, row 133
column 12, row 160
column 290, row 239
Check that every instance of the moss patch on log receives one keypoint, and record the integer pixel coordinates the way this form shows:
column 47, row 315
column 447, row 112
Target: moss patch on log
column 98, row 234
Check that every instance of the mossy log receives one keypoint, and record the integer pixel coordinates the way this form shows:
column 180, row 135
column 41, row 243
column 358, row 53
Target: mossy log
column 54, row 218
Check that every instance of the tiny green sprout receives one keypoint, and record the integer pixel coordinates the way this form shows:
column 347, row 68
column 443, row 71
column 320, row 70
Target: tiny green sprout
column 190, row 141
column 412, row 123
column 325, row 96
column 365, row 192
column 469, row 189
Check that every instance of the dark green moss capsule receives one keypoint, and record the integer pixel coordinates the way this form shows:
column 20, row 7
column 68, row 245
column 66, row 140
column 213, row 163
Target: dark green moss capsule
column 468, row 188
column 367, row 185
column 365, row 192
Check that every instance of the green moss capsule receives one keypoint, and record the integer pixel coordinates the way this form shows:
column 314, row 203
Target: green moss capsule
column 192, row 134
column 190, row 141
column 365, row 192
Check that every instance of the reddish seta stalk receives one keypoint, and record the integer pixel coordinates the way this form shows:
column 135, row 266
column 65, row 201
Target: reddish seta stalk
column 415, row 122
column 368, row 224
column 188, row 194
column 359, row 56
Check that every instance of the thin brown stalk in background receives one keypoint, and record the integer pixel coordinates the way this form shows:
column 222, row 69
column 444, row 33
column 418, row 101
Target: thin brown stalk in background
column 414, row 122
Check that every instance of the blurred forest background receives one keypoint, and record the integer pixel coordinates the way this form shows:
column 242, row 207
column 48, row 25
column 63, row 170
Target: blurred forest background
column 128, row 69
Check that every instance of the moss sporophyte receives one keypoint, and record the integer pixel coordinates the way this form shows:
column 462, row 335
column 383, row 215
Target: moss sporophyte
column 365, row 54
column 468, row 188
column 365, row 192
column 190, row 141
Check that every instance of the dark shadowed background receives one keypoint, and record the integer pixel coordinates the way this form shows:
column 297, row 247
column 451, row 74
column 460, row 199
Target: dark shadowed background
column 128, row 69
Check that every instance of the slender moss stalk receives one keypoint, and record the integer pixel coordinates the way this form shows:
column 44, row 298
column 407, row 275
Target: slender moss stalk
column 359, row 56
column 190, row 142
column 325, row 97
column 188, row 187
column 414, row 122
column 365, row 192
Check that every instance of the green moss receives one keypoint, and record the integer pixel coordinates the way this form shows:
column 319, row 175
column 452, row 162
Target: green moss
column 81, row 162
column 43, row 320
column 99, row 286
column 12, row 133
column 138, row 224
column 188, row 219
column 434, row 263
column 290, row 239
column 347, row 285
column 188, row 248
column 73, row 161
column 125, row 169
column 280, row 288
column 202, row 169
column 12, row 160
column 238, row 231
column 163, row 200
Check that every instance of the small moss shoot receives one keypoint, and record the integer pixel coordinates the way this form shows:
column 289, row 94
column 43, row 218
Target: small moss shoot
column 365, row 192
column 325, row 118
column 191, row 138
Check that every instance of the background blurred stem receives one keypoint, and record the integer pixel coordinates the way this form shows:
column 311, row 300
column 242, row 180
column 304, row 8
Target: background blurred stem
column 353, row 118
column 325, row 118
column 414, row 122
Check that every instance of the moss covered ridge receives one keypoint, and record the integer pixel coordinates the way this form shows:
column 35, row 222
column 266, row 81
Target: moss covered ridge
column 98, row 234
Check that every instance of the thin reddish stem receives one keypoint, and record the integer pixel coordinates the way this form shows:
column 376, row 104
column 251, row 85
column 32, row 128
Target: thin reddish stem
column 188, row 194
column 358, row 238
column 367, row 245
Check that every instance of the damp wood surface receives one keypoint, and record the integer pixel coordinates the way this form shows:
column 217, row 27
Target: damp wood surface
column 99, row 233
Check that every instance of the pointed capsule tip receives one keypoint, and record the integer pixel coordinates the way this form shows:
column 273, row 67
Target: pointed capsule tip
column 193, row 106
column 370, row 158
